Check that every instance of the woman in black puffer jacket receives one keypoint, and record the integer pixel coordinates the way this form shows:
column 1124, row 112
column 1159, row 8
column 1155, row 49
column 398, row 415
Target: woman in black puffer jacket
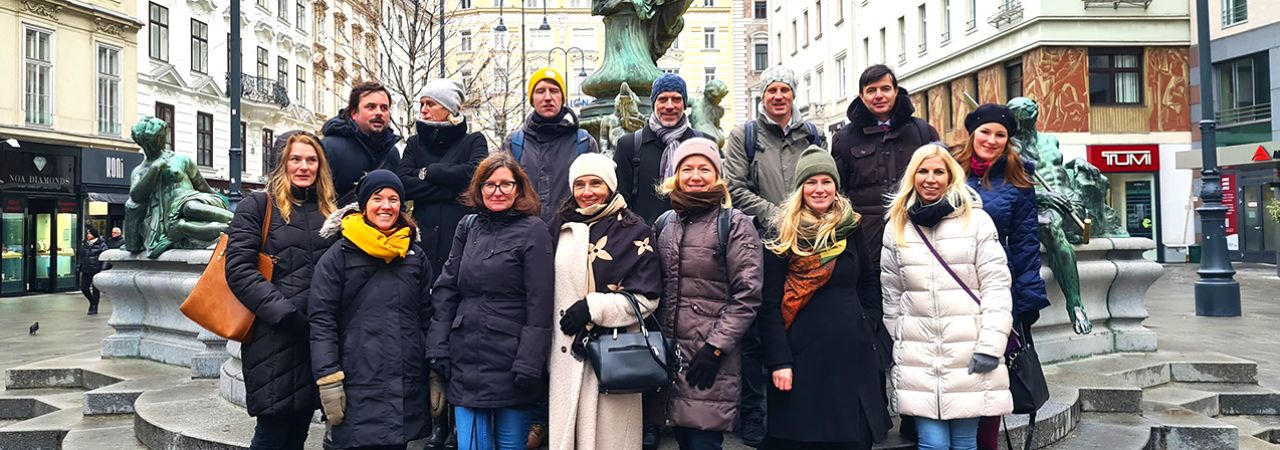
column 279, row 388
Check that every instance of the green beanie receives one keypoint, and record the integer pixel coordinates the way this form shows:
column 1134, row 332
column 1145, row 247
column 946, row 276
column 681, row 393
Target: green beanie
column 813, row 161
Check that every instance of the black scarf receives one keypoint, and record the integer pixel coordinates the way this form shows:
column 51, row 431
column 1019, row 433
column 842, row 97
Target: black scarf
column 929, row 215
column 692, row 203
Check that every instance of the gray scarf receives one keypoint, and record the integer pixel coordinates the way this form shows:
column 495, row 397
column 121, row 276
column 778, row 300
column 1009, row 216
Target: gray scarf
column 670, row 137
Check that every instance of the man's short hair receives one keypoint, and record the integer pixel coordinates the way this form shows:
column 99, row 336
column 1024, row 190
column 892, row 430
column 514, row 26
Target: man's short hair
column 359, row 91
column 875, row 73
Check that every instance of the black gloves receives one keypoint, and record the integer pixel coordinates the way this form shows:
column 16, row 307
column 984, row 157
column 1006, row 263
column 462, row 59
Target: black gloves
column 441, row 367
column 526, row 383
column 575, row 318
column 983, row 363
column 703, row 368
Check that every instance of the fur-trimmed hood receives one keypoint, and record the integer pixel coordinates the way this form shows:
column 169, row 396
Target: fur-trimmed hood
column 333, row 224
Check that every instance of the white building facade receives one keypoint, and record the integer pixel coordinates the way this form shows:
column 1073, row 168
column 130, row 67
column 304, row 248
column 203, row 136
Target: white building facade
column 811, row 37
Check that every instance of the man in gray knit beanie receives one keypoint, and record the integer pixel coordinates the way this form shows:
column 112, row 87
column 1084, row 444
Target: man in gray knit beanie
column 448, row 93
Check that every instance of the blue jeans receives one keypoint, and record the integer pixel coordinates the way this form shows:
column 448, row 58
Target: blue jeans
column 954, row 434
column 281, row 432
column 489, row 429
column 691, row 439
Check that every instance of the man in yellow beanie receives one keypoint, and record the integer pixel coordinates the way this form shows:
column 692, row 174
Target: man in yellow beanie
column 549, row 141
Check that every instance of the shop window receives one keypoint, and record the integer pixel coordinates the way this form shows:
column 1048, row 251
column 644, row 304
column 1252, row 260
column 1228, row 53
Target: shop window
column 1115, row 76
column 1013, row 80
column 13, row 248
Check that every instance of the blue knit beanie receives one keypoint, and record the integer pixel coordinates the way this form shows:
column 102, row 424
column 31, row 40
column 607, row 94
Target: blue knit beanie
column 669, row 82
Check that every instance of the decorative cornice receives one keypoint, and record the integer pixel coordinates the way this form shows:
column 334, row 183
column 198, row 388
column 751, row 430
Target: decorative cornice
column 204, row 6
column 302, row 50
column 339, row 16
column 41, row 9
column 110, row 28
column 319, row 5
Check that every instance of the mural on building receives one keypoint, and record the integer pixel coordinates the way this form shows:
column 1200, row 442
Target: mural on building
column 991, row 87
column 961, row 87
column 1057, row 80
column 918, row 100
column 939, row 104
column 1167, row 83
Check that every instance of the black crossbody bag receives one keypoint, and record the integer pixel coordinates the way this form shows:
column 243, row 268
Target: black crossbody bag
column 632, row 362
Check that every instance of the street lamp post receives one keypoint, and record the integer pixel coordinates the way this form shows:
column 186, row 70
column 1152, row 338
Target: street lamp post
column 1217, row 292
column 582, row 60
column 234, row 92
column 524, row 30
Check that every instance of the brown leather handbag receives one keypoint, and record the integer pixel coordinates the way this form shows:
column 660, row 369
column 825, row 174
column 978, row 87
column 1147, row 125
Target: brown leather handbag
column 212, row 305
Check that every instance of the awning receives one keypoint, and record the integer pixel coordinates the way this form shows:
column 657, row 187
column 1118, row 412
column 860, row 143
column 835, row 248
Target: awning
column 119, row 199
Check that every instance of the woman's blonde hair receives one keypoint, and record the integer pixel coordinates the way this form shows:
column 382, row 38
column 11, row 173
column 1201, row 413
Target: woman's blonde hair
column 795, row 220
column 667, row 186
column 956, row 193
column 280, row 188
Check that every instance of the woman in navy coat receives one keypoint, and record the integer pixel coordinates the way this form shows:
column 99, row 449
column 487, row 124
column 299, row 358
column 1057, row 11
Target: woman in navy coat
column 1003, row 180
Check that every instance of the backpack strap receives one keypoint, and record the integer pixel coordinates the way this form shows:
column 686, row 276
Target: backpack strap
column 749, row 136
column 584, row 142
column 635, row 163
column 812, row 129
column 468, row 221
column 724, row 221
column 661, row 222
column 517, row 144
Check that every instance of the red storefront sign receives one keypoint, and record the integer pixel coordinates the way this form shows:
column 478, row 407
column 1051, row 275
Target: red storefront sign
column 1125, row 158
column 1229, row 200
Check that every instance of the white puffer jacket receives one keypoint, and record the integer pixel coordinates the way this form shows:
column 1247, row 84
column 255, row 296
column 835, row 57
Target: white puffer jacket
column 937, row 327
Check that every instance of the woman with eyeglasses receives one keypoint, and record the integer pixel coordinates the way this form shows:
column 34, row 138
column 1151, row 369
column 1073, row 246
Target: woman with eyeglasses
column 491, row 333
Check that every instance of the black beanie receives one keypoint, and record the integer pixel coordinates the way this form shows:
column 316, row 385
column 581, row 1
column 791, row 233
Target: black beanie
column 94, row 232
column 374, row 182
column 991, row 112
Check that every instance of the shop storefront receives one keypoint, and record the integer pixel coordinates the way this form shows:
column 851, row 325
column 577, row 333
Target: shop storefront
column 39, row 218
column 1133, row 173
column 1246, row 191
column 104, row 186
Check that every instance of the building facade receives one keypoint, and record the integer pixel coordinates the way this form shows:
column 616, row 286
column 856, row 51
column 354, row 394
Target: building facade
column 1111, row 81
column 751, row 56
column 812, row 38
column 1245, row 51
column 57, row 119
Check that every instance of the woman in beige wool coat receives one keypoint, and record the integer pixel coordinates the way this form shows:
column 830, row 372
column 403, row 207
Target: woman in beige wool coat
column 948, row 346
column 603, row 249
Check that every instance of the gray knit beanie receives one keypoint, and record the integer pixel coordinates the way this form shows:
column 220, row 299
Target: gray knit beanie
column 448, row 93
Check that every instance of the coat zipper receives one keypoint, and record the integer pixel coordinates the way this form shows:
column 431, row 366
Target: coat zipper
column 933, row 294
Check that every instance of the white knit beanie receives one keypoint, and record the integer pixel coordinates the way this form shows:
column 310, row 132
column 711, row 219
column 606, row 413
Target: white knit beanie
column 595, row 164
column 448, row 93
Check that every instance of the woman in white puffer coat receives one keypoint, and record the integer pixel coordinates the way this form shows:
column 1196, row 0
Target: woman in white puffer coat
column 948, row 346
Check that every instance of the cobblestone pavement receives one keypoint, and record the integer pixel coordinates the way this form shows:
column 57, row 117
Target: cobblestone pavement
column 66, row 330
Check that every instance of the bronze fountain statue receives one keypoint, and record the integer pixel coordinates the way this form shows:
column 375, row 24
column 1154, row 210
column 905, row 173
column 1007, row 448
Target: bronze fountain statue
column 170, row 204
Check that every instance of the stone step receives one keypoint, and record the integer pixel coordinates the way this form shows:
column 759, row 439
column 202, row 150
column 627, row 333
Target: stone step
column 1104, row 431
column 1054, row 421
column 193, row 415
column 44, row 432
column 1146, row 370
column 1266, row 428
column 1176, row 396
column 118, row 398
column 113, row 432
column 1182, row 429
column 1253, row 443
column 1241, row 399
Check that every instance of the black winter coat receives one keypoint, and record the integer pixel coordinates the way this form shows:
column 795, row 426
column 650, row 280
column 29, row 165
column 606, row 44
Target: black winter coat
column 493, row 315
column 638, row 177
column 1014, row 212
column 837, row 395
column 89, row 253
column 277, row 362
column 450, row 156
column 369, row 320
column 549, row 150
column 871, row 160
column 113, row 243
column 352, row 154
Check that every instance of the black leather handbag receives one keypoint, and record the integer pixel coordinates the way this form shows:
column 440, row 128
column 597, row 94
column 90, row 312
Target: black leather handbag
column 633, row 362
column 1026, row 378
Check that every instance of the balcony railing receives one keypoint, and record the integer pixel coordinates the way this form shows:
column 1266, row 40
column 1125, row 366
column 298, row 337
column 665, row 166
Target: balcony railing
column 1006, row 14
column 1116, row 4
column 1235, row 12
column 261, row 90
column 1245, row 114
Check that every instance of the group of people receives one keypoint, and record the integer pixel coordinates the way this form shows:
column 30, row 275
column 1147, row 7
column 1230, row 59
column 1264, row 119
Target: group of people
column 817, row 279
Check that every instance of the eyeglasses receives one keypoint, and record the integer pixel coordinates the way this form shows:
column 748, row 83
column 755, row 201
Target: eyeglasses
column 505, row 187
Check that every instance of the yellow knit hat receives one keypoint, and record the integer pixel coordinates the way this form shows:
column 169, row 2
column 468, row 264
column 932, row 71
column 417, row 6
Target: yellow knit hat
column 545, row 73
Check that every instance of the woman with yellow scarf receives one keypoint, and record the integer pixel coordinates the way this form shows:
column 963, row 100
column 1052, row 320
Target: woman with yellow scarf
column 820, row 321
column 369, row 310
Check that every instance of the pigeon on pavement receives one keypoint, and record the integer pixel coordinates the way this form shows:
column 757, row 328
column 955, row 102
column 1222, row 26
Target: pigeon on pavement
column 35, row 326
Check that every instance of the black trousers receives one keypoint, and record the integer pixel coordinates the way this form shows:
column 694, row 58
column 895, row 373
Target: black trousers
column 751, row 409
column 89, row 290
column 691, row 439
column 281, row 432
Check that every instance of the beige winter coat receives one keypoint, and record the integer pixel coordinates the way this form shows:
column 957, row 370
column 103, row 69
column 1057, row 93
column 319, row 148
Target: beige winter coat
column 582, row 418
column 937, row 327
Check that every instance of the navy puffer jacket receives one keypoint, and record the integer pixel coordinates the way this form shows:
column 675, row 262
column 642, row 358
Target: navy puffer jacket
column 1014, row 210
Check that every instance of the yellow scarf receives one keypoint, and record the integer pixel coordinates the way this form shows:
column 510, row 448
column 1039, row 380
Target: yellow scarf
column 373, row 241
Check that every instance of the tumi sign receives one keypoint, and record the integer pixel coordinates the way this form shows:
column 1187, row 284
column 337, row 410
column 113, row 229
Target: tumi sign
column 1125, row 158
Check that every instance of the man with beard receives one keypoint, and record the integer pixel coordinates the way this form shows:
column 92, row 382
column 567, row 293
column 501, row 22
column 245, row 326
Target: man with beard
column 760, row 164
column 360, row 139
column 873, row 150
column 643, row 157
column 549, row 141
